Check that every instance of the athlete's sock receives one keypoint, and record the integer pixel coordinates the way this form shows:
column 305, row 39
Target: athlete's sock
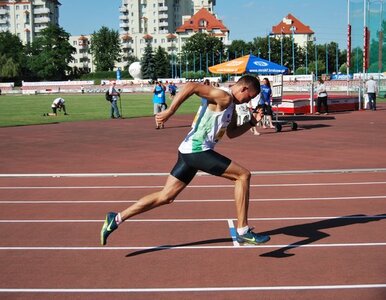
column 118, row 219
column 242, row 230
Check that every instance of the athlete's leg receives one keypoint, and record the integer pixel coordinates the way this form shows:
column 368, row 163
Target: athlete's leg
column 241, row 177
column 167, row 195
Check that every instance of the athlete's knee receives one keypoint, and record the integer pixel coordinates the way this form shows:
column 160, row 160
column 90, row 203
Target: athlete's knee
column 166, row 197
column 245, row 175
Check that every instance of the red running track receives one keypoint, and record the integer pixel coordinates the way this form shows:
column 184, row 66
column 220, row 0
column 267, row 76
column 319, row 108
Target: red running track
column 326, row 214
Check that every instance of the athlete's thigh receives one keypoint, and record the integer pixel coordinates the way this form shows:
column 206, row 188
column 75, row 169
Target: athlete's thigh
column 235, row 171
column 173, row 187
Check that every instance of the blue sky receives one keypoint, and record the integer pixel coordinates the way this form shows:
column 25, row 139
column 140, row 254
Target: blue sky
column 245, row 19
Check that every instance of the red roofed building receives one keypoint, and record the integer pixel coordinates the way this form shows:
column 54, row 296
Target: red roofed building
column 205, row 22
column 290, row 24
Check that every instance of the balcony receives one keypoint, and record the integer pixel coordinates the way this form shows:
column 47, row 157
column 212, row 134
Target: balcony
column 163, row 8
column 124, row 25
column 41, row 11
column 123, row 9
column 126, row 45
column 124, row 17
column 42, row 20
column 163, row 24
column 4, row 21
column 3, row 11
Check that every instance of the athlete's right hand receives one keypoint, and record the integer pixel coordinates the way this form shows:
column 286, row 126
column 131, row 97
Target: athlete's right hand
column 163, row 116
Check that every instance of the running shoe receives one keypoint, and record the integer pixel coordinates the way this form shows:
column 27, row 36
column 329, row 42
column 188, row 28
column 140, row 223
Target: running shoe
column 252, row 238
column 108, row 227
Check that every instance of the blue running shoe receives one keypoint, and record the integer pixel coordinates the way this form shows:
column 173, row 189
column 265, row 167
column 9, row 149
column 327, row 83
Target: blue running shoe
column 108, row 227
column 252, row 238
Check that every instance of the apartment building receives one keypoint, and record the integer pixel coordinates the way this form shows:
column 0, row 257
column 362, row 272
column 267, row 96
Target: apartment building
column 291, row 26
column 27, row 18
column 162, row 22
column 83, row 60
column 157, row 21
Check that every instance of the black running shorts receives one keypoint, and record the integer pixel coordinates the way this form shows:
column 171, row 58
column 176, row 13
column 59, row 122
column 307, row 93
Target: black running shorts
column 208, row 161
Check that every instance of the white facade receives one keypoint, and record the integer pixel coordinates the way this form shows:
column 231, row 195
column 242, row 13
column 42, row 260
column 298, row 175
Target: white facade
column 156, row 19
column 83, row 59
column 27, row 18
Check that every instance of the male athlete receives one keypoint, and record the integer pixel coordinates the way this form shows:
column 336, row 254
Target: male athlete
column 215, row 117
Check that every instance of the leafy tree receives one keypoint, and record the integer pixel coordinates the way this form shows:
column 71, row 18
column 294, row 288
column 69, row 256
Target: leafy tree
column 12, row 58
column 161, row 63
column 147, row 62
column 8, row 68
column 50, row 54
column 202, row 49
column 105, row 48
column 239, row 48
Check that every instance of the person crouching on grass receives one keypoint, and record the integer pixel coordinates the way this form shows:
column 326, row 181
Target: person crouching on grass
column 215, row 118
column 57, row 104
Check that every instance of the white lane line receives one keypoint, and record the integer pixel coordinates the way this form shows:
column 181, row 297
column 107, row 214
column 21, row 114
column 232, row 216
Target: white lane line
column 380, row 217
column 176, row 247
column 196, row 289
column 232, row 231
column 279, row 172
column 194, row 200
column 192, row 186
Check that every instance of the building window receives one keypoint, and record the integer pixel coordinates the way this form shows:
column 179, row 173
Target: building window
column 74, row 43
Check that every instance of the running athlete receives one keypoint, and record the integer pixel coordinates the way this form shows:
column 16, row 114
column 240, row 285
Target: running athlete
column 215, row 117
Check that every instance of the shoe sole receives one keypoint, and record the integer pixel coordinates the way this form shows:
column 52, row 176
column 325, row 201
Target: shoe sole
column 251, row 243
column 103, row 240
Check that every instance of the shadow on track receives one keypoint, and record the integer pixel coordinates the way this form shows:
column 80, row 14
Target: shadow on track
column 312, row 231
column 167, row 247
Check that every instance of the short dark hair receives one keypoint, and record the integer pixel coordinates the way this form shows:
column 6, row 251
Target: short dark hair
column 250, row 80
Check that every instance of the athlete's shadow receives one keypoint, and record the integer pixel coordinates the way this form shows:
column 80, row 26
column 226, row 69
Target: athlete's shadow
column 312, row 231
column 167, row 247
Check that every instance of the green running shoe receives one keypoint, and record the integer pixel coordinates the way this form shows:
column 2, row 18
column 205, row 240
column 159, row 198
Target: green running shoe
column 108, row 227
column 252, row 238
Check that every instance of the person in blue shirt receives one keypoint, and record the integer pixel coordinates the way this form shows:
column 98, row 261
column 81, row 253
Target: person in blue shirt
column 265, row 102
column 172, row 89
column 159, row 101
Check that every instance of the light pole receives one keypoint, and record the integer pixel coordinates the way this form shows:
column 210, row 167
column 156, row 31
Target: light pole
column 316, row 59
column 269, row 46
column 326, row 59
column 281, row 47
column 307, row 57
column 293, row 50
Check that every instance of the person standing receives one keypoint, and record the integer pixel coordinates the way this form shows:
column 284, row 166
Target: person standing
column 371, row 88
column 113, row 92
column 322, row 97
column 216, row 117
column 172, row 89
column 265, row 102
column 253, row 104
column 159, row 102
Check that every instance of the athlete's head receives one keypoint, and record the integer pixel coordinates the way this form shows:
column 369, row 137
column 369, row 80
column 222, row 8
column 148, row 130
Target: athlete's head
column 246, row 88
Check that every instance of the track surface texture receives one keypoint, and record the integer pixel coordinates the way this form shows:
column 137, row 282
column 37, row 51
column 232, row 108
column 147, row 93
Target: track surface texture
column 319, row 192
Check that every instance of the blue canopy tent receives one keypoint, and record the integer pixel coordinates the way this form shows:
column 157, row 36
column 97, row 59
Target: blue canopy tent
column 248, row 64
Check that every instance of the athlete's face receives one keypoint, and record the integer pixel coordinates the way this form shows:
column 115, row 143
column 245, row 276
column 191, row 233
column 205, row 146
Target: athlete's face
column 246, row 94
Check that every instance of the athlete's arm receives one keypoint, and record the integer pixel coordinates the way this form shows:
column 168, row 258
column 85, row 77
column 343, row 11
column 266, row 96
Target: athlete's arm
column 213, row 95
column 233, row 130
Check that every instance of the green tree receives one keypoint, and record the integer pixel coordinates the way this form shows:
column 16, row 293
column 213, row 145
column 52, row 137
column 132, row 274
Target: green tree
column 161, row 63
column 50, row 54
column 202, row 50
column 147, row 62
column 239, row 48
column 105, row 48
column 12, row 58
column 8, row 68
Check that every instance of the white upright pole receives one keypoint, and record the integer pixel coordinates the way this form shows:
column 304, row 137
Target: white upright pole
column 348, row 45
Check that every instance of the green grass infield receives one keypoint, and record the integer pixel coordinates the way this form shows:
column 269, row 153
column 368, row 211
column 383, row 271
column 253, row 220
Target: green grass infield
column 20, row 110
